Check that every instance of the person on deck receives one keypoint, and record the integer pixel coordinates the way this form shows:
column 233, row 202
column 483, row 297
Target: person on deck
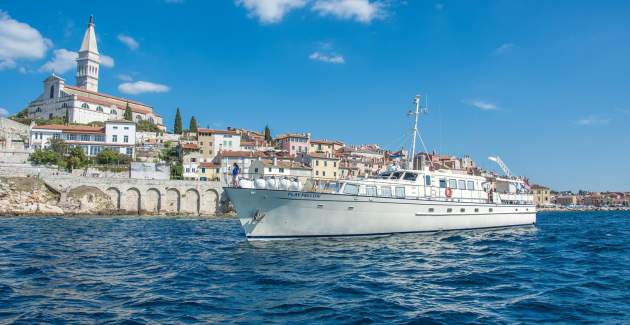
column 235, row 171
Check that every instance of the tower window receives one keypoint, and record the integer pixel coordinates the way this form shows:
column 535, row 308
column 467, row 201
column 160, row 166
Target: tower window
column 85, row 105
column 99, row 109
column 113, row 112
column 52, row 91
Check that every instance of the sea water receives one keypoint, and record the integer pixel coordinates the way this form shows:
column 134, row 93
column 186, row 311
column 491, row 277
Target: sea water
column 570, row 267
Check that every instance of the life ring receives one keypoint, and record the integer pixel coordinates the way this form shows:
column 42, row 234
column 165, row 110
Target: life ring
column 448, row 192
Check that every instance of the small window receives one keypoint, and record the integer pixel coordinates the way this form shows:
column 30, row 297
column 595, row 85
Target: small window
column 397, row 175
column 85, row 105
column 386, row 191
column 431, row 209
column 427, row 180
column 410, row 177
column 126, row 139
column 370, row 191
column 470, row 185
column 462, row 210
column 85, row 137
column 476, row 209
column 461, row 184
column 114, row 138
column 400, row 192
column 352, row 189
column 113, row 112
column 325, row 163
column 99, row 109
column 449, row 210
column 442, row 183
column 452, row 183
column 490, row 210
column 281, row 170
column 129, row 151
column 115, row 127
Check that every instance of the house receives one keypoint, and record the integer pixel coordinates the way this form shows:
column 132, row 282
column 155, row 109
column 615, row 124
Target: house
column 119, row 136
column 542, row 195
column 244, row 159
column 191, row 158
column 325, row 146
column 325, row 167
column 211, row 142
column 294, row 144
column 209, row 171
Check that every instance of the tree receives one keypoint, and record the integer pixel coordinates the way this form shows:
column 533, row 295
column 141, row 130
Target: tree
column 76, row 158
column 192, row 127
column 58, row 146
column 178, row 122
column 110, row 157
column 146, row 126
column 45, row 157
column 267, row 132
column 128, row 114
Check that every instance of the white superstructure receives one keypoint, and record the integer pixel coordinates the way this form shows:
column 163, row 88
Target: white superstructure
column 395, row 201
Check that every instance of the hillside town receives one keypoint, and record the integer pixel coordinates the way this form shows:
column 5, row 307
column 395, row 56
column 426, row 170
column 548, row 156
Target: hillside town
column 77, row 128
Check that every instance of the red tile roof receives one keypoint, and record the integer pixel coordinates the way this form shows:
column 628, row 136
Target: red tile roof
column 246, row 154
column 211, row 131
column 190, row 146
column 71, row 128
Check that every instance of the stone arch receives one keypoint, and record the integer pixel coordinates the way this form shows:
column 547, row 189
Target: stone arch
column 190, row 201
column 172, row 200
column 153, row 201
column 210, row 202
column 132, row 200
column 114, row 195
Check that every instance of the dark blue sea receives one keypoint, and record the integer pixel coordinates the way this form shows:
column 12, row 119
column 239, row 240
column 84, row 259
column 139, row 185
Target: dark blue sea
column 570, row 268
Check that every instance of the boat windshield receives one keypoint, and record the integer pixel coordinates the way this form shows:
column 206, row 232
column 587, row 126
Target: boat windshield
column 384, row 175
column 397, row 175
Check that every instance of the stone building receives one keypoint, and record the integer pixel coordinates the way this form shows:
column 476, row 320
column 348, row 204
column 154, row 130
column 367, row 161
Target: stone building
column 84, row 103
column 542, row 195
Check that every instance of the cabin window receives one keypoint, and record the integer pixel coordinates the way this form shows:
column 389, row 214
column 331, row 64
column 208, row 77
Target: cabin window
column 370, row 191
column 490, row 209
column 384, row 175
column 452, row 183
column 461, row 185
column 397, row 175
column 410, row 177
column 462, row 210
column 431, row 209
column 400, row 192
column 352, row 189
column 470, row 185
column 449, row 210
column 427, row 180
column 476, row 209
column 386, row 191
column 442, row 183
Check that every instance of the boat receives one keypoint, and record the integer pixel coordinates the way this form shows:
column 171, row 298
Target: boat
column 396, row 201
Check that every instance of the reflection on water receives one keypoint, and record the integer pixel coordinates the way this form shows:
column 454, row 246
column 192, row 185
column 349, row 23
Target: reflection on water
column 571, row 267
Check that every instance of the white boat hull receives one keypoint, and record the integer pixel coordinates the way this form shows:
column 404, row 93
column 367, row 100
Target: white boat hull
column 274, row 214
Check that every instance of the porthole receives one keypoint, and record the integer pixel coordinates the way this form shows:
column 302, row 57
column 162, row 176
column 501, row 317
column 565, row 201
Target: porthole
column 490, row 209
column 476, row 209
column 449, row 210
column 462, row 210
column 431, row 210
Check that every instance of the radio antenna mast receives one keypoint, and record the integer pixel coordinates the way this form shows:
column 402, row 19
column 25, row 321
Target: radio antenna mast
column 416, row 115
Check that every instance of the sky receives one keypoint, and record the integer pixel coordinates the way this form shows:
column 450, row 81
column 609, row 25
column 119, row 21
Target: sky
column 543, row 84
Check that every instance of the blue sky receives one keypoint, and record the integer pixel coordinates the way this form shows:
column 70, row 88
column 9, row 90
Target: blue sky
column 544, row 84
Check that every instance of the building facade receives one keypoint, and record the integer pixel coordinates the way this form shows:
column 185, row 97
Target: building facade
column 83, row 103
column 542, row 195
column 119, row 136
column 211, row 142
column 294, row 144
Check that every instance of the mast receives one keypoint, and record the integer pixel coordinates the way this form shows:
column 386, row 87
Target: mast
column 416, row 100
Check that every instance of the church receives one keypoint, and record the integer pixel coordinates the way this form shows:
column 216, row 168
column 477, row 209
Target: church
column 83, row 103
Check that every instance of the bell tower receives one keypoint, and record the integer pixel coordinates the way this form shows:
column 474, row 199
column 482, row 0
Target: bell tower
column 88, row 60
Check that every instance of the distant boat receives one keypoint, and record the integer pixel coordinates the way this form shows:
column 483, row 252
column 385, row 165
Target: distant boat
column 396, row 201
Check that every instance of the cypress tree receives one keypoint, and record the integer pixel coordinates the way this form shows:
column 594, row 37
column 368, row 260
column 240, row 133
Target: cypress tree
column 128, row 115
column 178, row 122
column 268, row 137
column 193, row 125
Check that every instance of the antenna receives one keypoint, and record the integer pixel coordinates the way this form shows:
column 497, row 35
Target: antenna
column 416, row 115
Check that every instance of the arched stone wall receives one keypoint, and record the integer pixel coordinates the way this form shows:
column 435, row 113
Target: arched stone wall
column 172, row 201
column 190, row 201
column 153, row 201
column 210, row 202
column 132, row 200
column 114, row 195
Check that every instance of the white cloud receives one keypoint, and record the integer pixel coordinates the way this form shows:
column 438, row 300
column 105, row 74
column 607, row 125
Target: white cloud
column 140, row 87
column 333, row 58
column 107, row 61
column 593, row 120
column 3, row 112
column 62, row 61
column 124, row 77
column 19, row 41
column 481, row 104
column 270, row 11
column 361, row 10
column 504, row 48
column 129, row 41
